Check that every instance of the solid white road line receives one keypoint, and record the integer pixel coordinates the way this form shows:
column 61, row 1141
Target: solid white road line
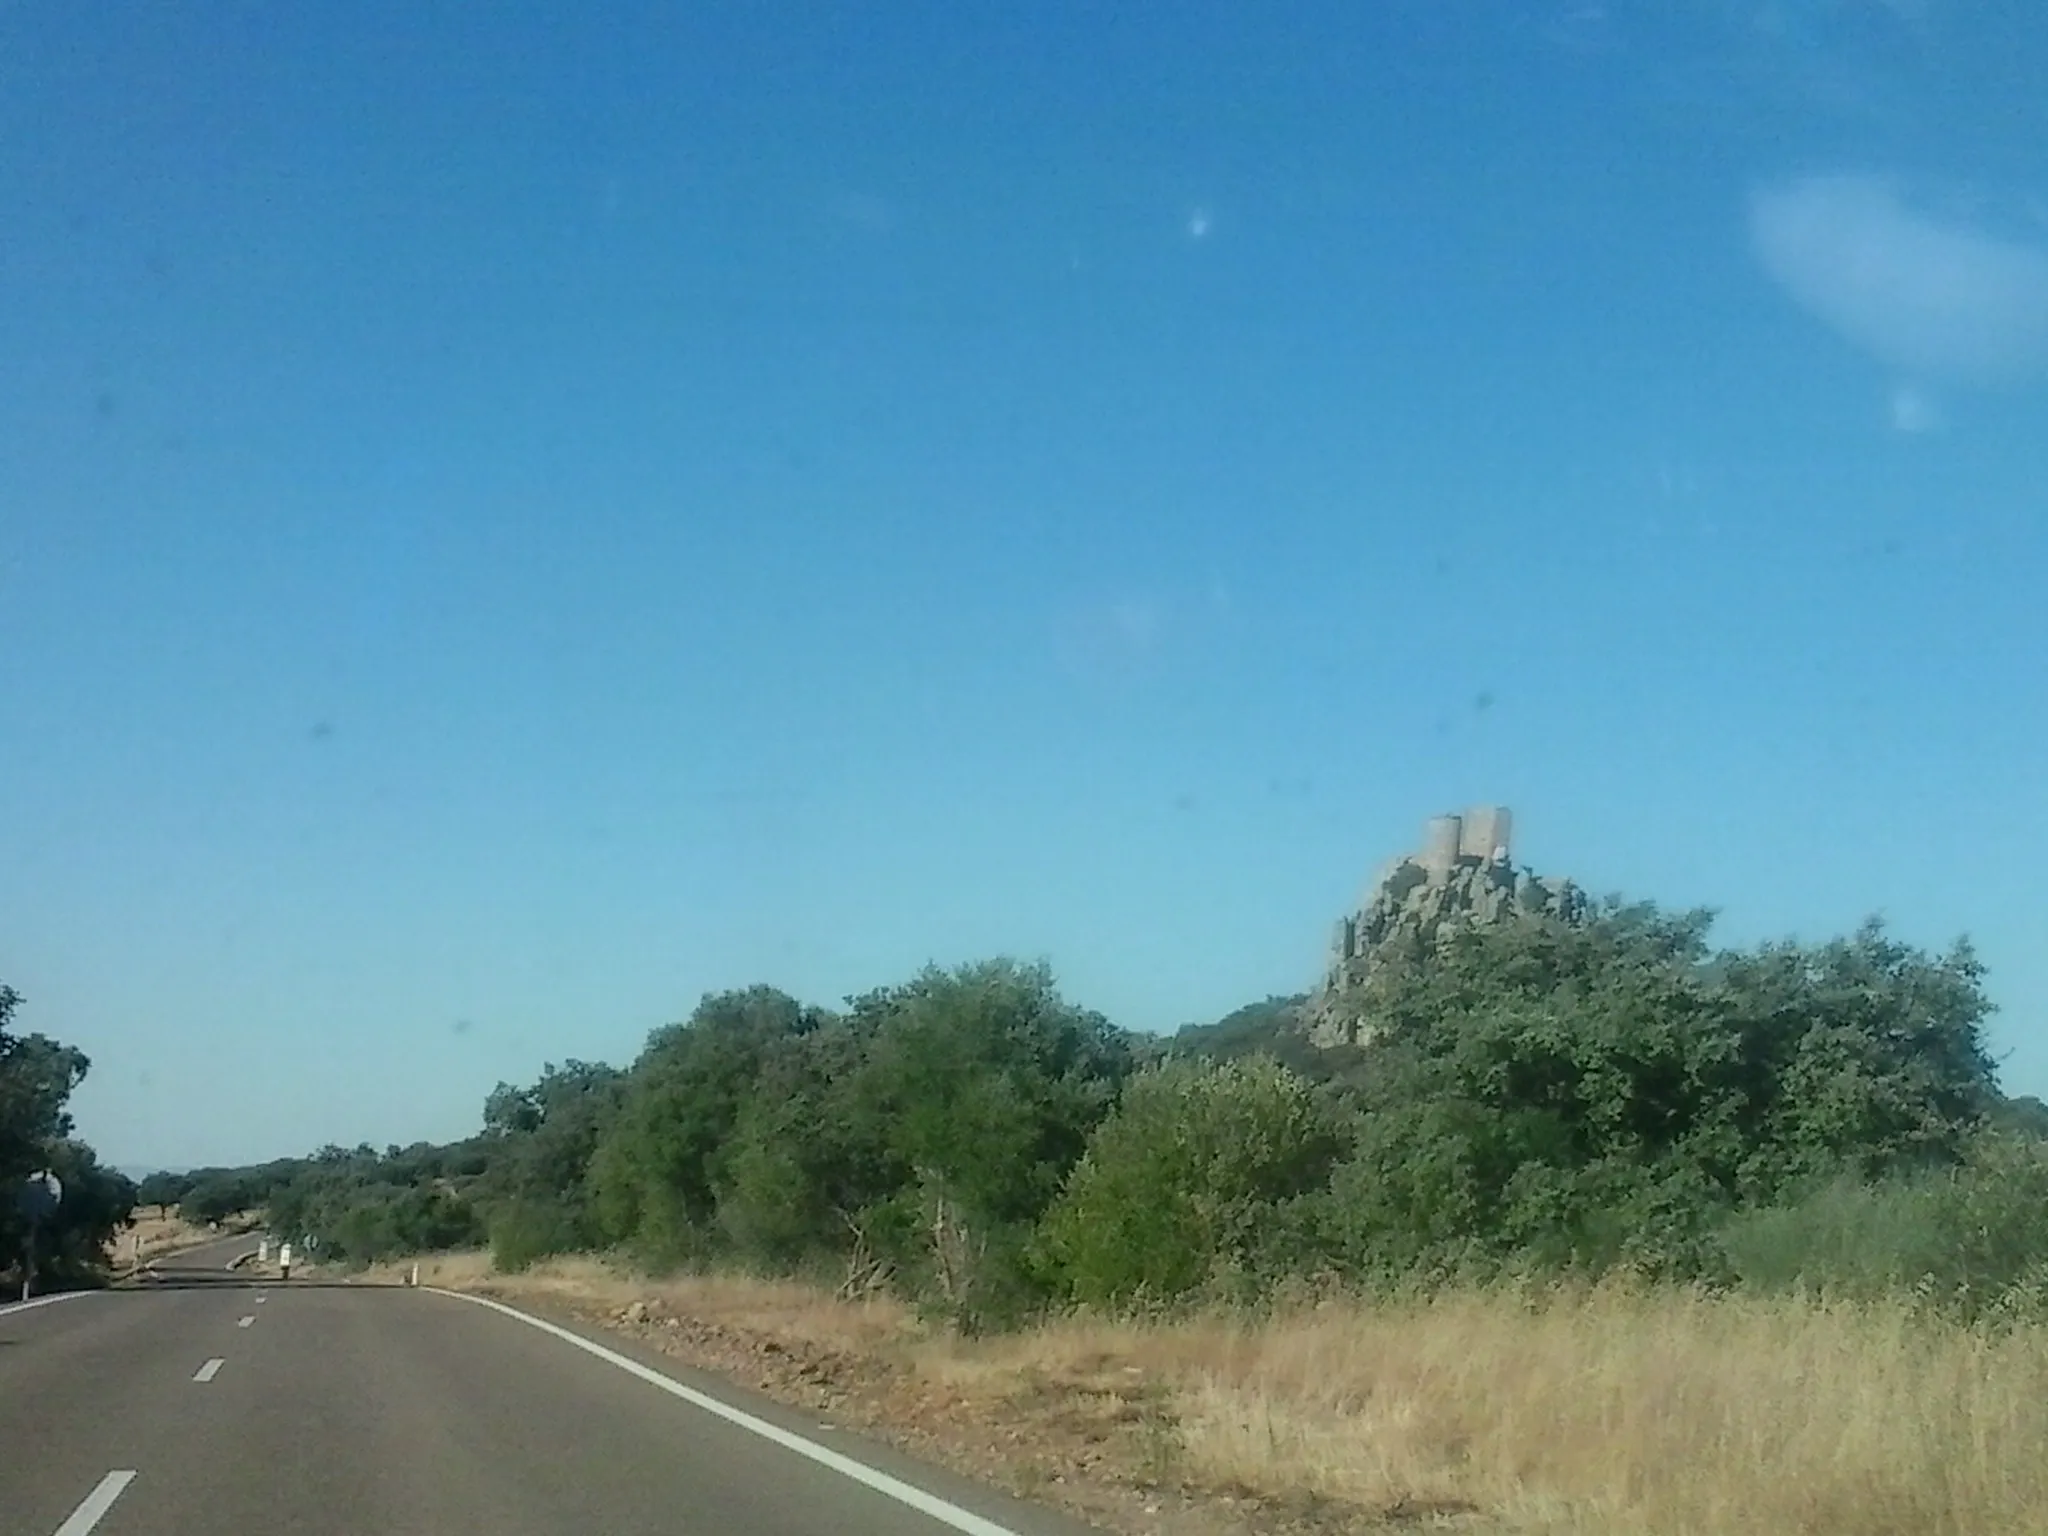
column 931, row 1504
column 209, row 1370
column 41, row 1301
column 96, row 1505
column 243, row 1322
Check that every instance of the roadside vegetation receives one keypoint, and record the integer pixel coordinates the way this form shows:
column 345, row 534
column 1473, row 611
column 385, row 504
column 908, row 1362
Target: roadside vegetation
column 1607, row 1229
column 1539, row 1101
column 74, row 1243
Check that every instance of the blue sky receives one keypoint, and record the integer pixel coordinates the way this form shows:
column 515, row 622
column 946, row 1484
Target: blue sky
column 513, row 517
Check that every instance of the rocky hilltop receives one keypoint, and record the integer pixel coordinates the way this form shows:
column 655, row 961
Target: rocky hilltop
column 1464, row 875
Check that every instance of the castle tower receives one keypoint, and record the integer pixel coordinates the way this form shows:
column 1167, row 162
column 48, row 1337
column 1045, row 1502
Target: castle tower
column 1442, row 841
column 1485, row 833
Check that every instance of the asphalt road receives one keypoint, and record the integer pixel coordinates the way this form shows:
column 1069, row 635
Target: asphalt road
column 212, row 1401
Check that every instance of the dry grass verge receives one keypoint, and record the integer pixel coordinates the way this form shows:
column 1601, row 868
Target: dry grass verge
column 1595, row 1412
column 157, row 1230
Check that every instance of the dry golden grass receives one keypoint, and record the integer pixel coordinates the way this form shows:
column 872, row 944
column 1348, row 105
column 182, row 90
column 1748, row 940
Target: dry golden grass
column 1612, row 1410
column 157, row 1230
column 768, row 1309
column 1601, row 1411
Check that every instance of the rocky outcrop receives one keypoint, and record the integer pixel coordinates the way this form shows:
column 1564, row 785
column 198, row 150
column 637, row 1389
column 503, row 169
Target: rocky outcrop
column 1464, row 876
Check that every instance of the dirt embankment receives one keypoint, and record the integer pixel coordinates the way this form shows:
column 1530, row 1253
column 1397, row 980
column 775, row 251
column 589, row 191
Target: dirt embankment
column 159, row 1230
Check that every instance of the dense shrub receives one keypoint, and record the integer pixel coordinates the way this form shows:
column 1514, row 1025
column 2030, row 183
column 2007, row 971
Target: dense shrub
column 1190, row 1179
column 1961, row 1237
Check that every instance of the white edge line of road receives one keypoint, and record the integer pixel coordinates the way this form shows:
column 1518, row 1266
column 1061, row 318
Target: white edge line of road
column 881, row 1482
column 41, row 1301
column 57, row 1296
column 96, row 1505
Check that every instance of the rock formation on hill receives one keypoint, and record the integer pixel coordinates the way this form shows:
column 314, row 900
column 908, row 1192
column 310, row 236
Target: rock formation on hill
column 1463, row 876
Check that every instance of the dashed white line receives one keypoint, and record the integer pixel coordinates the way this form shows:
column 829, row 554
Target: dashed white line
column 243, row 1322
column 96, row 1505
column 209, row 1370
column 261, row 1299
column 941, row 1510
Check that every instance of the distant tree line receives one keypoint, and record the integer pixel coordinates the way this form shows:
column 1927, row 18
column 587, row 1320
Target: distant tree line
column 37, row 1078
column 1535, row 1098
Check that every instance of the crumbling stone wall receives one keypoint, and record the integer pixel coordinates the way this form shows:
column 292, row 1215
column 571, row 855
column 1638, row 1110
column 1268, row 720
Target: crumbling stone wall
column 1463, row 875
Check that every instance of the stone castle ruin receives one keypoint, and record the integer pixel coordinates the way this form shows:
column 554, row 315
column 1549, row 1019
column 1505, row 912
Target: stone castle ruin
column 1463, row 876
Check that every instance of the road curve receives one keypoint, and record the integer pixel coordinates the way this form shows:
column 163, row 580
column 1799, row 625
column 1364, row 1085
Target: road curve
column 213, row 1400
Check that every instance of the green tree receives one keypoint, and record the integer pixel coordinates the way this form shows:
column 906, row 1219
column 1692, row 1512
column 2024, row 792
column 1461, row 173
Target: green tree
column 539, row 1142
column 1196, row 1175
column 37, row 1078
column 1866, row 1054
column 73, row 1246
column 987, row 1085
column 805, row 1160
column 163, row 1188
column 657, row 1173
column 2025, row 1116
column 1587, row 1095
column 222, row 1195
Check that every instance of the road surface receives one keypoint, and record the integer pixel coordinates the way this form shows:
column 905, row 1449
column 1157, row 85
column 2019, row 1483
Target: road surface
column 212, row 1401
